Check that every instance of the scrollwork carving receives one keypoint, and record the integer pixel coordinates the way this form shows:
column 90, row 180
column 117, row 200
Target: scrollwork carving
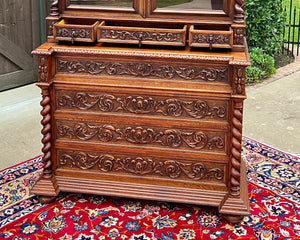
column 140, row 35
column 140, row 166
column 239, row 80
column 43, row 68
column 211, row 39
column 73, row 33
column 142, row 105
column 139, row 135
column 210, row 74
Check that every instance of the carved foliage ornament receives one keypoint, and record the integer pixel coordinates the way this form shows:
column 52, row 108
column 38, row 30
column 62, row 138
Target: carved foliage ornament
column 210, row 74
column 43, row 68
column 73, row 33
column 211, row 39
column 139, row 166
column 239, row 80
column 171, row 138
column 142, row 105
column 141, row 35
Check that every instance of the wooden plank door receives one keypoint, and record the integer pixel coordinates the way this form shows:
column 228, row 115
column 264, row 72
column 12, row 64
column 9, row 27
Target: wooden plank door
column 19, row 35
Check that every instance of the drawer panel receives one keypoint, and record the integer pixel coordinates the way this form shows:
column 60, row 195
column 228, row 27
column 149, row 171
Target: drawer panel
column 143, row 69
column 144, row 168
column 140, row 132
column 107, row 101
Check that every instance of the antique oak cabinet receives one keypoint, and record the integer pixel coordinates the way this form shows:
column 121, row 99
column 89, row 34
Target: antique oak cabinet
column 145, row 100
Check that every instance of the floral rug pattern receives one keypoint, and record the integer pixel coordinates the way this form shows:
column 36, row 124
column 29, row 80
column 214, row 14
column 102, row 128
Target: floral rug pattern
column 273, row 183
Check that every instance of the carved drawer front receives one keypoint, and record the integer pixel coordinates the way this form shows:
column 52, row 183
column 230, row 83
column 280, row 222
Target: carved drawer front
column 144, row 133
column 144, row 168
column 143, row 69
column 114, row 33
column 219, row 38
column 75, row 30
column 106, row 101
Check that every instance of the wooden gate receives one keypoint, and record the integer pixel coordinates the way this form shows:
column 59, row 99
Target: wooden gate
column 19, row 35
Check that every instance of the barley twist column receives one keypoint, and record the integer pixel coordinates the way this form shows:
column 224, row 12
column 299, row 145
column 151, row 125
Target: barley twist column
column 46, row 131
column 236, row 148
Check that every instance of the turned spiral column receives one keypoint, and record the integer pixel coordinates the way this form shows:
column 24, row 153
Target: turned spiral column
column 236, row 148
column 46, row 131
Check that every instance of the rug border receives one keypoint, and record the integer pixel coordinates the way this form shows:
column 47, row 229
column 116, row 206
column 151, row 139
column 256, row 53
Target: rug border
column 274, row 148
column 18, row 164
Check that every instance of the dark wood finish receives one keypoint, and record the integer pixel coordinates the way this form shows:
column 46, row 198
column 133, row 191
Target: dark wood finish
column 162, row 123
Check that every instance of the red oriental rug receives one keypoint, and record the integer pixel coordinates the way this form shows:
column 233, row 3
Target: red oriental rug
column 273, row 181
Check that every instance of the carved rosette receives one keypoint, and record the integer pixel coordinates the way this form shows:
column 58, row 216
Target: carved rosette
column 210, row 74
column 236, row 148
column 43, row 68
column 239, row 80
column 142, row 105
column 138, row 135
column 139, row 166
column 239, row 16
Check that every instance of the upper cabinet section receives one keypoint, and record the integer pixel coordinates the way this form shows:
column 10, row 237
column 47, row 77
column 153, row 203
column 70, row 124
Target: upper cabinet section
column 197, row 23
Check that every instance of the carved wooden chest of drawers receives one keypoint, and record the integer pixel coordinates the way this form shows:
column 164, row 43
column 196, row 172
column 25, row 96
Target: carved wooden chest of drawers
column 153, row 123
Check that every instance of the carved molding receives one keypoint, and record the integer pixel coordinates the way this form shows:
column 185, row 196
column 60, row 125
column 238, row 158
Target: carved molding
column 210, row 74
column 171, row 138
column 139, row 166
column 239, row 80
column 142, row 105
column 140, row 35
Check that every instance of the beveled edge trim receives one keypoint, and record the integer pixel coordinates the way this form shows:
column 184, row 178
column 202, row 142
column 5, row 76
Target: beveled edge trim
column 142, row 191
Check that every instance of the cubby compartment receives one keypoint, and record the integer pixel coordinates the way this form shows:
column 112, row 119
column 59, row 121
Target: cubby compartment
column 142, row 34
column 75, row 30
column 210, row 37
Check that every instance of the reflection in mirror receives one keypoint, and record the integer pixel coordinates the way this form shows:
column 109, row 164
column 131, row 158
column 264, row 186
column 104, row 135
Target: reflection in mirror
column 115, row 3
column 190, row 4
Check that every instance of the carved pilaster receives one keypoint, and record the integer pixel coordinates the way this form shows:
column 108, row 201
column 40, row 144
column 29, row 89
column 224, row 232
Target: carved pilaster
column 239, row 80
column 238, row 34
column 239, row 12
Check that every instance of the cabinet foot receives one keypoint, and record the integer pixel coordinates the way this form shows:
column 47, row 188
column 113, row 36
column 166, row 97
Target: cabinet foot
column 233, row 218
column 46, row 199
column 46, row 189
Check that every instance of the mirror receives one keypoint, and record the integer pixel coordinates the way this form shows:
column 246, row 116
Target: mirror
column 190, row 4
column 113, row 3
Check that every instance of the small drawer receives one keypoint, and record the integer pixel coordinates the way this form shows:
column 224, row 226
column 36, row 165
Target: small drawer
column 75, row 30
column 217, row 38
column 141, row 35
